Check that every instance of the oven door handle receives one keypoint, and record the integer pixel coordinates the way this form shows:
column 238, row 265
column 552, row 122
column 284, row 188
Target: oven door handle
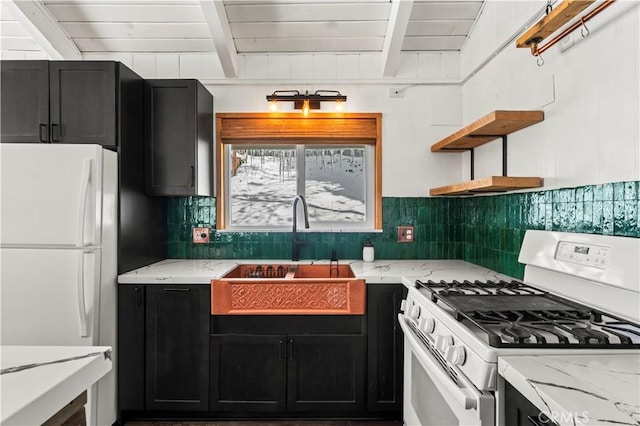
column 440, row 378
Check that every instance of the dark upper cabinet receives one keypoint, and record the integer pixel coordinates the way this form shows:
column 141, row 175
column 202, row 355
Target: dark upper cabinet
column 384, row 348
column 178, row 138
column 83, row 102
column 177, row 347
column 24, row 112
column 60, row 102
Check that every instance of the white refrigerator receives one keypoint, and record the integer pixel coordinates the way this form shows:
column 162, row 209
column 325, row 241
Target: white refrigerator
column 58, row 259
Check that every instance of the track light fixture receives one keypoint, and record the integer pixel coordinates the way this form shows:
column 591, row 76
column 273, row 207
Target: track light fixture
column 306, row 101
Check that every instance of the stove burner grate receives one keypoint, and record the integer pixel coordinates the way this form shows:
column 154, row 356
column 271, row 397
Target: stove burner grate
column 513, row 314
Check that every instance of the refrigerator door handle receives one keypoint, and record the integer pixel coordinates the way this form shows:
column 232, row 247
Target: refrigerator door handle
column 82, row 309
column 82, row 206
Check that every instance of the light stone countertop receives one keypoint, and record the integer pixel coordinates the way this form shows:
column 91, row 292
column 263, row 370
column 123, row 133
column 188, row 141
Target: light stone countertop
column 576, row 390
column 202, row 271
column 37, row 381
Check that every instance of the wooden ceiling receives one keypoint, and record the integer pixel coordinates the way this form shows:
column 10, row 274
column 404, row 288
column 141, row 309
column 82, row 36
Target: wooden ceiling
column 233, row 27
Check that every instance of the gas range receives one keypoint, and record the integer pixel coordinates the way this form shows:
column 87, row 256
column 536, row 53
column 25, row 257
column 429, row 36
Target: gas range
column 580, row 294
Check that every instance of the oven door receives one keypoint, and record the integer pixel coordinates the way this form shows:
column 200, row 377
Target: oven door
column 432, row 397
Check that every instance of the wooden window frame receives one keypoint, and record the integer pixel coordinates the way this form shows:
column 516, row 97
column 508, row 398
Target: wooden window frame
column 292, row 129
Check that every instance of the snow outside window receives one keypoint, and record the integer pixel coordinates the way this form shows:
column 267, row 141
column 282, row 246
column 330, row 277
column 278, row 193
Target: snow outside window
column 336, row 181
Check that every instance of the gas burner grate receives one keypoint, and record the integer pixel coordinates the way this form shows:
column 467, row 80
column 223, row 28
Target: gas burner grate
column 514, row 314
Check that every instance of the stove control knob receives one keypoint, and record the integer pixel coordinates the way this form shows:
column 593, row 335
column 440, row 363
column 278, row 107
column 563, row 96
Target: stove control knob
column 443, row 342
column 403, row 305
column 415, row 312
column 428, row 325
column 456, row 354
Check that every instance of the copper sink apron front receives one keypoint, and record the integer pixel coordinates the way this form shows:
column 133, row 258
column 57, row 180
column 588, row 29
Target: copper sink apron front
column 288, row 296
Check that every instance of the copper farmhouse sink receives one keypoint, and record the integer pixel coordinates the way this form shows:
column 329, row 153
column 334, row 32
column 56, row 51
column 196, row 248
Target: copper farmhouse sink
column 282, row 289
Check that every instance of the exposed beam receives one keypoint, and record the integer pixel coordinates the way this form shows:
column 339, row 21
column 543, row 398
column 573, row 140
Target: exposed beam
column 220, row 31
column 398, row 21
column 45, row 29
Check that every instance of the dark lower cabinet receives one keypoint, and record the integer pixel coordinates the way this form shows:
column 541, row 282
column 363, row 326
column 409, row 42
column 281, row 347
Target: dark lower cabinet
column 177, row 361
column 131, row 347
column 177, row 347
column 384, row 347
column 325, row 373
column 519, row 411
column 163, row 347
column 287, row 373
column 248, row 373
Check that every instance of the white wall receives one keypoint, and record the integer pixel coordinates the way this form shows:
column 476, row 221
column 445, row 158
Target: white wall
column 589, row 94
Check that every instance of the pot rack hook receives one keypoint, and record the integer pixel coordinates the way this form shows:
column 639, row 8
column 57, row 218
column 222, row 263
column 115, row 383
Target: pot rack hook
column 539, row 60
column 584, row 31
column 549, row 7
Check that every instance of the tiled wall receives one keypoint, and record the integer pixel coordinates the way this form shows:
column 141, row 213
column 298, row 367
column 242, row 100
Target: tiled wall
column 492, row 227
column 487, row 230
column 430, row 218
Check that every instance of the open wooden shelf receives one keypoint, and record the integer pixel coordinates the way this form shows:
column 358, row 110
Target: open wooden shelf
column 486, row 129
column 550, row 23
column 488, row 184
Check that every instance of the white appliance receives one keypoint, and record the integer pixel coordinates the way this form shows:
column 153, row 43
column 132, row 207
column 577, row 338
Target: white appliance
column 580, row 295
column 58, row 235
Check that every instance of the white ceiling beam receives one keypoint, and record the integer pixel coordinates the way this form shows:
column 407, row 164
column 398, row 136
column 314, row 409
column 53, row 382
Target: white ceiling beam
column 220, row 31
column 44, row 28
column 396, row 29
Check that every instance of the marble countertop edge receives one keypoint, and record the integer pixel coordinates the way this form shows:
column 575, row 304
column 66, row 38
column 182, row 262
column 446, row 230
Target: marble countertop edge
column 202, row 271
column 47, row 379
column 578, row 390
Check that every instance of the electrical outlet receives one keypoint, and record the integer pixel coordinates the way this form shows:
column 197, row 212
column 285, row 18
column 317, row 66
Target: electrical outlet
column 200, row 235
column 405, row 234
column 396, row 93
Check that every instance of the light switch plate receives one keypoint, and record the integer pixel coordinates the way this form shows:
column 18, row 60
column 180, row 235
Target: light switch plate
column 405, row 234
column 200, row 235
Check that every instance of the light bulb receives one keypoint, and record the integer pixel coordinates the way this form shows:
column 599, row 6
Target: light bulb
column 273, row 105
column 339, row 105
column 305, row 107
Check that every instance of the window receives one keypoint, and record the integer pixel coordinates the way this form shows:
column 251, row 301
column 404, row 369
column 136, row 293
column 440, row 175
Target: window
column 336, row 180
column 265, row 160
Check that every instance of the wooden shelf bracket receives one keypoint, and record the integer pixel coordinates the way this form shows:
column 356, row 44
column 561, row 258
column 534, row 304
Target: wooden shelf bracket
column 504, row 156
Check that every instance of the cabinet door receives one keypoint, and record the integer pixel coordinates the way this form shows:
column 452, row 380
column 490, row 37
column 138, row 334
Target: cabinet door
column 384, row 347
column 131, row 347
column 170, row 137
column 325, row 373
column 24, row 110
column 177, row 347
column 248, row 373
column 519, row 411
column 83, row 102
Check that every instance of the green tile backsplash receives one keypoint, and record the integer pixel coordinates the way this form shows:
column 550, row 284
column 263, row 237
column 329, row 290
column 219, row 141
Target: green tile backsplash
column 429, row 217
column 486, row 230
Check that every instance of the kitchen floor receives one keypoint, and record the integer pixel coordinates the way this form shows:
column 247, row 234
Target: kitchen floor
column 272, row 423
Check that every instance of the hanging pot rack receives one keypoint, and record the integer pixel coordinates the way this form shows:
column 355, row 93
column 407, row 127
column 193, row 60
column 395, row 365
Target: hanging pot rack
column 554, row 20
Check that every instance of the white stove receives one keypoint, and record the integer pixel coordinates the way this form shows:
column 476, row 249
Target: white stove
column 580, row 295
